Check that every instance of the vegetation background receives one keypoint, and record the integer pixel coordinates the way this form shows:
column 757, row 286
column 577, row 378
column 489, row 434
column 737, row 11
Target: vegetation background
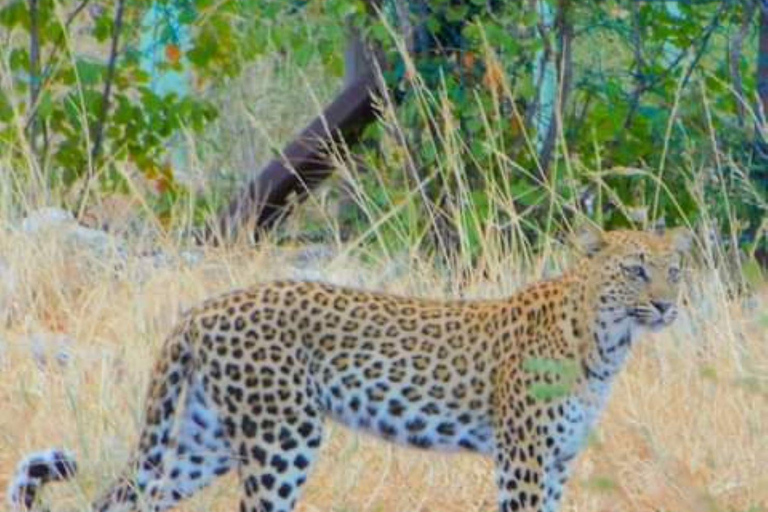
column 505, row 124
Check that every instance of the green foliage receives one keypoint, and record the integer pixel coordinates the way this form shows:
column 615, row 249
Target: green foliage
column 652, row 125
column 59, row 101
column 651, row 122
column 233, row 33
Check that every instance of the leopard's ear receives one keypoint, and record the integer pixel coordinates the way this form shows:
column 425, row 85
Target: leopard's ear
column 589, row 239
column 681, row 239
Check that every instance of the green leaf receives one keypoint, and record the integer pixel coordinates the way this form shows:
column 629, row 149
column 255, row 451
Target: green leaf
column 456, row 13
column 6, row 111
column 14, row 14
column 102, row 29
column 200, row 55
column 187, row 16
column 45, row 105
column 19, row 59
column 89, row 72
column 752, row 273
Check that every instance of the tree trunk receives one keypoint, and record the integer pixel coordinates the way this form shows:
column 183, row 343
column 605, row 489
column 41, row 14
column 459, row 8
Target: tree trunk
column 305, row 162
column 564, row 63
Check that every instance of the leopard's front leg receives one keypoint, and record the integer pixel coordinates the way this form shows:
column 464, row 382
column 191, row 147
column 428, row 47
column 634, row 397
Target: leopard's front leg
column 536, row 441
column 520, row 452
column 534, row 453
column 520, row 471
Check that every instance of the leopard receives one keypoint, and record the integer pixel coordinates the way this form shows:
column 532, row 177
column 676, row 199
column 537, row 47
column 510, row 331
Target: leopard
column 247, row 380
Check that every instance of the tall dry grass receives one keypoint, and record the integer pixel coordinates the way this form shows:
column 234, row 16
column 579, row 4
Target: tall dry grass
column 685, row 429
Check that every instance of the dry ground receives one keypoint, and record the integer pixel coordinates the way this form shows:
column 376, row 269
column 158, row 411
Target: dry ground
column 686, row 429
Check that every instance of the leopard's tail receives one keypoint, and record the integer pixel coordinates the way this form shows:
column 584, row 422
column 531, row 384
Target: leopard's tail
column 36, row 470
column 54, row 465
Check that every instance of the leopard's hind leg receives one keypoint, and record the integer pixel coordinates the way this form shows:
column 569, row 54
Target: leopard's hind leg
column 182, row 448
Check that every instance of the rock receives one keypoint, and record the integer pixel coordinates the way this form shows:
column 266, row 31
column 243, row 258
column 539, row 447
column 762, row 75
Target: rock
column 46, row 218
column 312, row 256
column 51, row 347
column 90, row 248
column 98, row 242
column 192, row 257
column 51, row 221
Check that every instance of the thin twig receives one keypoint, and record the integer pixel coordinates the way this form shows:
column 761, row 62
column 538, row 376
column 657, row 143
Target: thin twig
column 735, row 53
column 704, row 42
column 641, row 85
column 402, row 10
column 98, row 127
column 34, row 69
column 46, row 74
column 647, row 85
column 98, row 131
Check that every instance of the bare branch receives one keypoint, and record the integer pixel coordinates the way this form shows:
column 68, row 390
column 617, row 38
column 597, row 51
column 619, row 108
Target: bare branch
column 72, row 15
column 34, row 69
column 402, row 9
column 735, row 53
column 640, row 83
column 704, row 43
column 98, row 131
column 45, row 76
column 644, row 85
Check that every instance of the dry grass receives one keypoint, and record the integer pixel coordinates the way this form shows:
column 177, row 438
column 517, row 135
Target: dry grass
column 685, row 430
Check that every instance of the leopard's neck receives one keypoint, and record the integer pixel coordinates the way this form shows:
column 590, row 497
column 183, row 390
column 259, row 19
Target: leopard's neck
column 607, row 332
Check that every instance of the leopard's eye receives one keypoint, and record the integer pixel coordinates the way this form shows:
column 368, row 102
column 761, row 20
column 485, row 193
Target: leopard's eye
column 636, row 272
column 674, row 274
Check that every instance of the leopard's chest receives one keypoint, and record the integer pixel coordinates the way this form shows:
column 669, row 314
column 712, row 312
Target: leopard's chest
column 580, row 413
column 582, row 409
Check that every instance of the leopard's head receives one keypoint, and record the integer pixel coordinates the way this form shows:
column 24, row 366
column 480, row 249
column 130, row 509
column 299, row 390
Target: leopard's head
column 636, row 274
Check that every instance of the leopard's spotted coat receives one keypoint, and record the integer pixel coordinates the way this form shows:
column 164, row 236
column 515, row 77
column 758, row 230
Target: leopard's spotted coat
column 247, row 379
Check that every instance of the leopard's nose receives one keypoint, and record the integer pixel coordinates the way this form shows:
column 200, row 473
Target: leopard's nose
column 662, row 306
